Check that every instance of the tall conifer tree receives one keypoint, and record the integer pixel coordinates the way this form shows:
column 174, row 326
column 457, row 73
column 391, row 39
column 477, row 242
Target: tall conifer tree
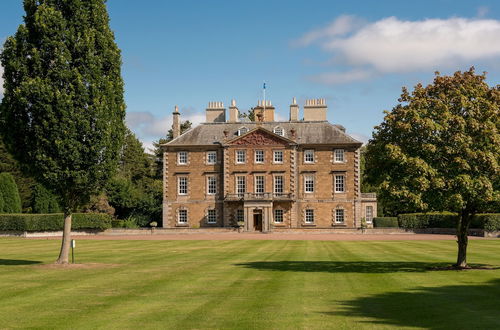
column 63, row 109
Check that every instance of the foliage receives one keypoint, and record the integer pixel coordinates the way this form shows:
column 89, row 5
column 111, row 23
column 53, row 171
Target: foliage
column 43, row 201
column 62, row 114
column 385, row 222
column 10, row 194
column 53, row 222
column 488, row 222
column 63, row 109
column 134, row 163
column 100, row 204
column 250, row 115
column 440, row 150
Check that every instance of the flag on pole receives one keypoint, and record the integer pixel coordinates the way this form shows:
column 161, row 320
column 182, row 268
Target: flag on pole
column 264, row 86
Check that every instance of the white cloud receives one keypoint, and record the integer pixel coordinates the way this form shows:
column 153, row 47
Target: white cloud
column 482, row 11
column 392, row 45
column 333, row 78
column 149, row 127
column 341, row 26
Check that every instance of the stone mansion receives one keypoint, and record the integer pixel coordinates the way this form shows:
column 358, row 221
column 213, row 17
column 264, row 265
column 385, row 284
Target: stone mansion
column 264, row 174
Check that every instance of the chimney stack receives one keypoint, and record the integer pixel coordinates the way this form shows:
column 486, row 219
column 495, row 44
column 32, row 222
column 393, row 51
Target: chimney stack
column 315, row 110
column 265, row 109
column 233, row 112
column 215, row 112
column 176, row 123
column 294, row 110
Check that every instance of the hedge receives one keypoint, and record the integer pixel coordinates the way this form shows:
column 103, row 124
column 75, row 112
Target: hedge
column 379, row 222
column 53, row 222
column 486, row 221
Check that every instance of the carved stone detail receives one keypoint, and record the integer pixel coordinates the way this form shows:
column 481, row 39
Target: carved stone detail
column 259, row 138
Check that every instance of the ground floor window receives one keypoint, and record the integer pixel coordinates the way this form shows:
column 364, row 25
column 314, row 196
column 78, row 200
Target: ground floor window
column 309, row 216
column 240, row 215
column 182, row 216
column 278, row 216
column 212, row 216
column 369, row 214
column 339, row 216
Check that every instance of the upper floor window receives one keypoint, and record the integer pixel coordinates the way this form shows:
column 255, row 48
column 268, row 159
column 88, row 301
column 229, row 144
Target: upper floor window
column 182, row 185
column 278, row 215
column 212, row 216
column 369, row 214
column 240, row 185
column 259, row 156
column 309, row 183
column 259, row 184
column 211, row 185
column 182, row 157
column 211, row 157
column 339, row 215
column 242, row 130
column 309, row 156
column 279, row 131
column 340, row 183
column 309, row 216
column 339, row 156
column 182, row 216
column 278, row 156
column 241, row 156
column 278, row 184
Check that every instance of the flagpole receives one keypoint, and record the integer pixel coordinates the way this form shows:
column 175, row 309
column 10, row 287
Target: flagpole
column 264, row 93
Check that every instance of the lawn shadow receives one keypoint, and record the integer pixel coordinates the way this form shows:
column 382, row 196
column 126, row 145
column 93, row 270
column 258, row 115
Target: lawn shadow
column 14, row 262
column 345, row 266
column 446, row 307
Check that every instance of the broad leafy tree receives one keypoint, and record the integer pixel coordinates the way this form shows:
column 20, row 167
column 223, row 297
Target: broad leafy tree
column 439, row 149
column 63, row 110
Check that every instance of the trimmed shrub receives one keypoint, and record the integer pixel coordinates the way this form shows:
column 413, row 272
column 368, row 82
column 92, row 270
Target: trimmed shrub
column 43, row 201
column 387, row 222
column 486, row 221
column 10, row 194
column 53, row 222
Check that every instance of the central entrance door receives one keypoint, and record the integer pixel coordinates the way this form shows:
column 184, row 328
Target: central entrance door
column 257, row 221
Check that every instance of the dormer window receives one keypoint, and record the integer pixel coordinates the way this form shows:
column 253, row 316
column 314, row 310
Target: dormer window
column 279, row 131
column 242, row 130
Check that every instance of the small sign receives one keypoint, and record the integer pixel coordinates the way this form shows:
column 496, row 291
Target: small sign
column 73, row 243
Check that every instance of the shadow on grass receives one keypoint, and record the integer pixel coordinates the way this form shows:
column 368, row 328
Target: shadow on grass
column 344, row 266
column 14, row 262
column 446, row 307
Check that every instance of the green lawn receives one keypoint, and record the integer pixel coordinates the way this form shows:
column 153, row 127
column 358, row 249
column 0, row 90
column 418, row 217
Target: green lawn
column 249, row 285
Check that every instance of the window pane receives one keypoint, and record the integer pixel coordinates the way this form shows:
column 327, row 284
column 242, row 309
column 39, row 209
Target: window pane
column 240, row 215
column 211, row 157
column 278, row 184
column 240, row 185
column 259, row 184
column 240, row 156
column 259, row 156
column 182, row 157
column 182, row 216
column 182, row 185
column 278, row 216
column 212, row 216
column 339, row 155
column 309, row 183
column 339, row 215
column 339, row 183
column 278, row 156
column 369, row 214
column 309, row 156
column 309, row 216
column 212, row 185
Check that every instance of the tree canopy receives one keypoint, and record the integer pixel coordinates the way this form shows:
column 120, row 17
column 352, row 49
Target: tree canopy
column 63, row 110
column 439, row 149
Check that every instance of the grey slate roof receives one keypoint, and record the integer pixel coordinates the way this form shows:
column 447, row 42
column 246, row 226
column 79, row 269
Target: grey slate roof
column 307, row 132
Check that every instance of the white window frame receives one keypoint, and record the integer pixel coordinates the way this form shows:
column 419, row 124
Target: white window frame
column 241, row 184
column 211, row 185
column 339, row 156
column 238, row 153
column 259, row 152
column 182, row 157
column 309, row 216
column 212, row 216
column 242, row 130
column 211, row 154
column 181, row 182
column 339, row 214
column 240, row 215
column 260, row 187
column 277, row 152
column 307, row 188
column 282, row 184
column 339, row 183
column 185, row 214
column 279, row 215
column 309, row 156
column 279, row 131
column 370, row 218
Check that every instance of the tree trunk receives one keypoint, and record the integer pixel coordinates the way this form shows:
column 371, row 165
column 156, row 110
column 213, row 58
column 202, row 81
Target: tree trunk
column 66, row 239
column 462, row 239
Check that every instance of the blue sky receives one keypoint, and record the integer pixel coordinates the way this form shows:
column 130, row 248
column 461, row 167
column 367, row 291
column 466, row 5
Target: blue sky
column 356, row 54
